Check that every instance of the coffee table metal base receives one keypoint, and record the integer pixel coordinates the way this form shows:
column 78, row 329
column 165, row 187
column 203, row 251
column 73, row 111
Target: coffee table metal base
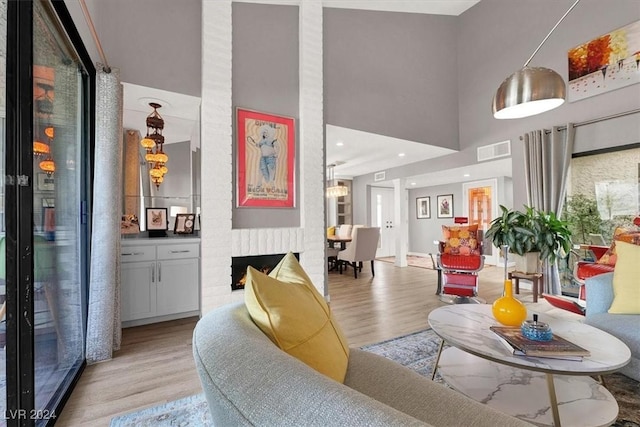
column 525, row 394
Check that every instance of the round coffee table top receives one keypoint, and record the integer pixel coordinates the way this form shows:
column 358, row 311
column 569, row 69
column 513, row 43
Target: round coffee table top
column 467, row 327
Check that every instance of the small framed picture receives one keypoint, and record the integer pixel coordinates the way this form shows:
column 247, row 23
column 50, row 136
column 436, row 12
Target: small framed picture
column 445, row 206
column 46, row 182
column 184, row 223
column 157, row 219
column 423, row 207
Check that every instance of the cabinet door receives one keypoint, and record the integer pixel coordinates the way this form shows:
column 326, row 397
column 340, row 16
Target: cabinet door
column 177, row 286
column 138, row 293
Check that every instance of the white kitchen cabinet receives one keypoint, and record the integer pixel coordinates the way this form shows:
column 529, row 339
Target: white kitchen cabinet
column 160, row 280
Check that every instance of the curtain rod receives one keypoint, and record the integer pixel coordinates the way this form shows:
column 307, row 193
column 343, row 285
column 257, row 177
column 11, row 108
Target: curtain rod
column 599, row 119
column 96, row 40
column 602, row 119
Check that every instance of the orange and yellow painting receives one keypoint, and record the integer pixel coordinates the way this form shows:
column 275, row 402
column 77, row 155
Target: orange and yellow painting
column 606, row 63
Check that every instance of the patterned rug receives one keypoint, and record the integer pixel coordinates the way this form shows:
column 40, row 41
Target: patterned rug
column 412, row 260
column 415, row 351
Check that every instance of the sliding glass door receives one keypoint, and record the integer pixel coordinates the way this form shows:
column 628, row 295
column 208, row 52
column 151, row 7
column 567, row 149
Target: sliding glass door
column 45, row 203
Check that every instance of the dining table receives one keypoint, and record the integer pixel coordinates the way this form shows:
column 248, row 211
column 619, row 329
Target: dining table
column 343, row 240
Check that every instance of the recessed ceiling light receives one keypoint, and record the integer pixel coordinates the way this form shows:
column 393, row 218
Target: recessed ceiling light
column 339, row 143
column 413, row 183
column 400, row 154
column 467, row 175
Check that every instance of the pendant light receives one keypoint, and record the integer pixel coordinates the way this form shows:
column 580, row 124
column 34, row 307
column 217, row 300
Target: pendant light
column 530, row 90
column 335, row 189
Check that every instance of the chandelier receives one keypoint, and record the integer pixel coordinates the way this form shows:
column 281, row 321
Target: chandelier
column 153, row 143
column 337, row 189
column 44, row 108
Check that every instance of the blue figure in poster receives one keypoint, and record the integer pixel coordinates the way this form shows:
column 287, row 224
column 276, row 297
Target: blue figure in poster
column 268, row 154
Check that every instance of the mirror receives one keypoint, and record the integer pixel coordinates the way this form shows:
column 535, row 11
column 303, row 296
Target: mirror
column 179, row 191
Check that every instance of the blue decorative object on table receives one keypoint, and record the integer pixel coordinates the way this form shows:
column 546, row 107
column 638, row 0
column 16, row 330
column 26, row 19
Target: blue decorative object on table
column 536, row 331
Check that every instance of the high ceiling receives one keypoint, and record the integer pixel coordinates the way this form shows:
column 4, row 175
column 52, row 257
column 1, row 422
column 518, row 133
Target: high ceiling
column 353, row 152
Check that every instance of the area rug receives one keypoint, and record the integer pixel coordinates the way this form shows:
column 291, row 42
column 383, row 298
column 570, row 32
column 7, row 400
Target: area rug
column 412, row 260
column 416, row 351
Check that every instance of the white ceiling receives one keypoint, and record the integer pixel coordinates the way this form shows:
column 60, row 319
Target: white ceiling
column 434, row 7
column 180, row 112
column 356, row 153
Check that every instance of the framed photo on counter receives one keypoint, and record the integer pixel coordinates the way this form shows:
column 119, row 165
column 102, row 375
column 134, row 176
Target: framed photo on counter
column 184, row 223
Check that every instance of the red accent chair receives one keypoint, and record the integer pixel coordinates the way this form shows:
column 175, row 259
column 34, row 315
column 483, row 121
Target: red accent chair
column 460, row 274
column 582, row 270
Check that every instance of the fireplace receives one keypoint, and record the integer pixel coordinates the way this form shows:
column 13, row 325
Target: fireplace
column 264, row 263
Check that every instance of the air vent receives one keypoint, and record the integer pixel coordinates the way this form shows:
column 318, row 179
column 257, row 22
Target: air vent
column 494, row 151
column 379, row 176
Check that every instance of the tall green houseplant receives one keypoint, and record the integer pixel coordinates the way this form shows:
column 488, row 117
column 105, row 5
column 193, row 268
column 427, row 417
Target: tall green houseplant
column 531, row 231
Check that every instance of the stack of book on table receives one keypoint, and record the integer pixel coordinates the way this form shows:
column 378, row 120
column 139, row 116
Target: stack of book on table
column 556, row 348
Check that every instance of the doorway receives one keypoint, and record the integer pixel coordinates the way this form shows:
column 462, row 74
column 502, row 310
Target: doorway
column 382, row 216
column 480, row 204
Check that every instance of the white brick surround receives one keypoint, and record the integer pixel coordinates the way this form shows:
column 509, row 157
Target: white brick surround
column 218, row 240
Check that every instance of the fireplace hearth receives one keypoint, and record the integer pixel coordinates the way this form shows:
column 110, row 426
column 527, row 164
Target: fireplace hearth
column 264, row 263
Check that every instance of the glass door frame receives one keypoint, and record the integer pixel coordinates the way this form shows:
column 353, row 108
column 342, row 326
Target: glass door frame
column 490, row 252
column 18, row 183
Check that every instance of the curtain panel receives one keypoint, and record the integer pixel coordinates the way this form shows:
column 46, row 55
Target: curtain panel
column 547, row 155
column 104, row 332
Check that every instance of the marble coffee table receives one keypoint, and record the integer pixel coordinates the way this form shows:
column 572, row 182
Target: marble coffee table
column 542, row 391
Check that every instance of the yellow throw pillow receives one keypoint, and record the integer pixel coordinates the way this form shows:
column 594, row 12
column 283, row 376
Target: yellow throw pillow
column 294, row 315
column 626, row 290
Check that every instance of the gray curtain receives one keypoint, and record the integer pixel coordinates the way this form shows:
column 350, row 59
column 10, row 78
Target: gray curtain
column 547, row 155
column 103, row 327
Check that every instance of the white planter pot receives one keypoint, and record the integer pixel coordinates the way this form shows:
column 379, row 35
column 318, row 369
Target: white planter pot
column 529, row 263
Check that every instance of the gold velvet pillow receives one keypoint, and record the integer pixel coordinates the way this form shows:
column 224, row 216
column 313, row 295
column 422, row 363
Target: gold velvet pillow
column 461, row 239
column 626, row 289
column 294, row 315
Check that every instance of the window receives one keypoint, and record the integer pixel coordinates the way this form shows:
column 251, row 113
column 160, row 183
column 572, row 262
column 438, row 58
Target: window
column 603, row 193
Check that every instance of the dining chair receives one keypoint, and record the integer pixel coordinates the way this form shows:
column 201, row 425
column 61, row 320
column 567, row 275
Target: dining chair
column 363, row 247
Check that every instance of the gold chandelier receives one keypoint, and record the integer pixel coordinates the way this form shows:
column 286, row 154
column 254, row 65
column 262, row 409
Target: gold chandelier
column 44, row 109
column 153, row 143
column 335, row 189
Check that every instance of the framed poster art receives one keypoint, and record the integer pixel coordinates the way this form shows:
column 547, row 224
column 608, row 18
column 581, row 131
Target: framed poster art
column 445, row 206
column 184, row 223
column 266, row 159
column 423, row 207
column 157, row 219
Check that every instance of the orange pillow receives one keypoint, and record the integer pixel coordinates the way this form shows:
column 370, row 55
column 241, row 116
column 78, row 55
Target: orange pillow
column 620, row 234
column 461, row 239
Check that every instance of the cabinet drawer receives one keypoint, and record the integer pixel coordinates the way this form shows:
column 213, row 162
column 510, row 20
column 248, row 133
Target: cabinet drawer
column 137, row 253
column 179, row 251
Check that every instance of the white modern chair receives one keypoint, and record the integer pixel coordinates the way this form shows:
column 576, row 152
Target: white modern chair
column 363, row 247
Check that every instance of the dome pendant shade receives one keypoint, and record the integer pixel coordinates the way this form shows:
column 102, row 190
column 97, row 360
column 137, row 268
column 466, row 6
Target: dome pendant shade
column 529, row 91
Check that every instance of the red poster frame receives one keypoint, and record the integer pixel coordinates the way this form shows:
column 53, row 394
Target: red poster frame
column 265, row 146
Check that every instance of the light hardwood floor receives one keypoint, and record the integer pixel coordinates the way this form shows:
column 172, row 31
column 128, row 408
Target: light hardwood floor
column 155, row 364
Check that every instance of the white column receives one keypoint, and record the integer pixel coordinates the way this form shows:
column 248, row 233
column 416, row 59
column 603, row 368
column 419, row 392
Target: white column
column 312, row 199
column 216, row 145
column 400, row 221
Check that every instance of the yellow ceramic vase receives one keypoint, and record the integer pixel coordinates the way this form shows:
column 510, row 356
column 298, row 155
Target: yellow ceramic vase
column 508, row 310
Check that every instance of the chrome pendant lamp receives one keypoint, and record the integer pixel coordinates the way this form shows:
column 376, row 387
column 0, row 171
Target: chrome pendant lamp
column 530, row 90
